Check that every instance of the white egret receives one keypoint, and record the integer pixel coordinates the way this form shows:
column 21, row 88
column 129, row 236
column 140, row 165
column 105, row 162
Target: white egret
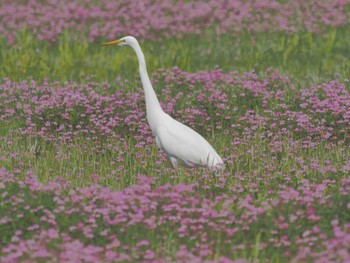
column 179, row 142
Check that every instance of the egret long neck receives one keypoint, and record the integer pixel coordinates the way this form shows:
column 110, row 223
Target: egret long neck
column 153, row 107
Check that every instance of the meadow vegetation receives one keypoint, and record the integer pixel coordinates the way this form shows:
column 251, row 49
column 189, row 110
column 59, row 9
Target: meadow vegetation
column 81, row 178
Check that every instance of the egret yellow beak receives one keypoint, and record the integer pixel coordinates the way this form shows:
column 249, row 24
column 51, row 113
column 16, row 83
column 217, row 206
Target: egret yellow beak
column 113, row 42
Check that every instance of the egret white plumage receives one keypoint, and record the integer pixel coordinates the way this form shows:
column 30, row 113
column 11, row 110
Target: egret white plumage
column 179, row 142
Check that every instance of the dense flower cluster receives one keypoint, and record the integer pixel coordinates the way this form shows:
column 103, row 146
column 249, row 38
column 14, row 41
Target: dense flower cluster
column 151, row 19
column 62, row 111
column 92, row 224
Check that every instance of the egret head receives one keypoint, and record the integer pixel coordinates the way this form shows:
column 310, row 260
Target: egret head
column 124, row 41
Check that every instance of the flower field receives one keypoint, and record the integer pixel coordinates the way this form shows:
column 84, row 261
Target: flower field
column 265, row 82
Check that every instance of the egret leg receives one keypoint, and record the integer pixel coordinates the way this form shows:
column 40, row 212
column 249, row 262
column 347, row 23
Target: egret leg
column 174, row 161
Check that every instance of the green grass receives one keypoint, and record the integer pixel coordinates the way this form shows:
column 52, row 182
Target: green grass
column 76, row 163
column 305, row 55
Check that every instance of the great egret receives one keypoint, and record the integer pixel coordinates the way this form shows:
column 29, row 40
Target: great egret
column 179, row 142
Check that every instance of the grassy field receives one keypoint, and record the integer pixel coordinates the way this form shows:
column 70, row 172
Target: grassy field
column 304, row 55
column 275, row 106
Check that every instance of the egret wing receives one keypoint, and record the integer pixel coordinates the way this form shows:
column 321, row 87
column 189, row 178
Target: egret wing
column 183, row 143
